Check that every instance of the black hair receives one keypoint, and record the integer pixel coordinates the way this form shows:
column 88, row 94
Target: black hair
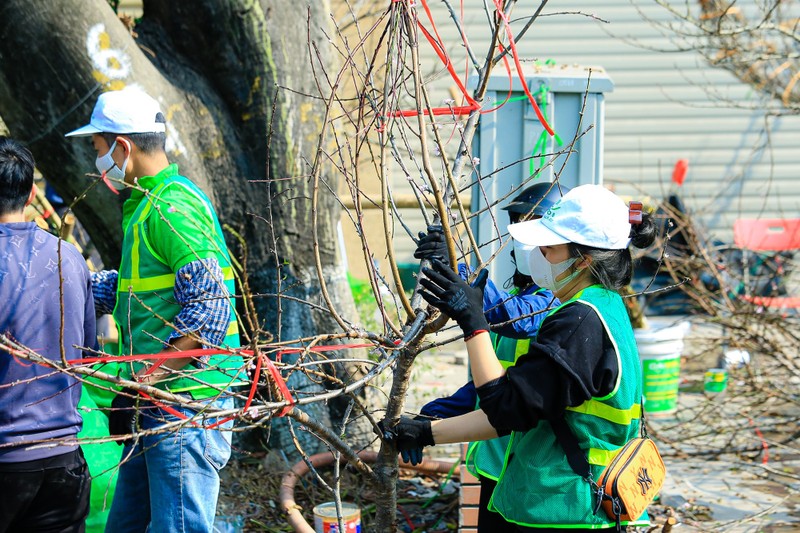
column 614, row 268
column 147, row 143
column 16, row 175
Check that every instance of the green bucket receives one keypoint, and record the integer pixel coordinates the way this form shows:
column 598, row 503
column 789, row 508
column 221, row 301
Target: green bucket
column 715, row 382
column 660, row 349
column 408, row 275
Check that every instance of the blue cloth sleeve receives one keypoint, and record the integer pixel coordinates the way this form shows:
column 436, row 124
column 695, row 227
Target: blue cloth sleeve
column 524, row 311
column 205, row 308
column 104, row 290
column 460, row 402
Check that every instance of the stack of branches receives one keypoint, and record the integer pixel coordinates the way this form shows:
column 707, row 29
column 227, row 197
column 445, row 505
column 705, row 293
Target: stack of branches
column 760, row 410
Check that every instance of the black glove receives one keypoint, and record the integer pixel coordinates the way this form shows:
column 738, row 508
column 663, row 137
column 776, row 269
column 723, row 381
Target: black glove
column 122, row 418
column 410, row 436
column 454, row 297
column 431, row 245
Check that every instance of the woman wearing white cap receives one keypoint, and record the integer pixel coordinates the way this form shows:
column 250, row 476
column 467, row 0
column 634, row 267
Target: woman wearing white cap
column 581, row 374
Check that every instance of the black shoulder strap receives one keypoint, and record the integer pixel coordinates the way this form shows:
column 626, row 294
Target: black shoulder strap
column 569, row 443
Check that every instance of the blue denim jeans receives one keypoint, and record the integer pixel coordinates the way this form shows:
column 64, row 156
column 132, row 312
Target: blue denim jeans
column 169, row 482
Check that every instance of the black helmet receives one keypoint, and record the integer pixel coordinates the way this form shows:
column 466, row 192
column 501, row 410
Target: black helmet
column 536, row 199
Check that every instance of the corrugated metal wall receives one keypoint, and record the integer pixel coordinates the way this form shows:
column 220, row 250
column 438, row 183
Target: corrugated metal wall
column 662, row 108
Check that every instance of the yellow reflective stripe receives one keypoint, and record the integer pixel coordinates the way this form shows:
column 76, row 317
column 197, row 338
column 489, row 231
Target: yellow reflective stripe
column 521, row 348
column 155, row 283
column 600, row 457
column 233, row 328
column 135, row 253
column 606, row 412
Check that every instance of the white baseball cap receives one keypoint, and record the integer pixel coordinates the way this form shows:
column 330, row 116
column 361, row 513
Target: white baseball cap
column 129, row 110
column 590, row 215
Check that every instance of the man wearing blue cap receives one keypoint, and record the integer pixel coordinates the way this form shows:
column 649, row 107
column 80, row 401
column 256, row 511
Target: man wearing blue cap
column 173, row 292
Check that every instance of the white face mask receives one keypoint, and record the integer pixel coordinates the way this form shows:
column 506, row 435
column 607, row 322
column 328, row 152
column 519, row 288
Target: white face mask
column 521, row 253
column 105, row 165
column 545, row 273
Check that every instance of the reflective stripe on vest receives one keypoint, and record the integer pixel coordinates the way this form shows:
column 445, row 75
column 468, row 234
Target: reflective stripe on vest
column 485, row 458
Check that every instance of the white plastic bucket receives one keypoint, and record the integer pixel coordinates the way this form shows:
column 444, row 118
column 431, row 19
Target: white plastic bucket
column 660, row 348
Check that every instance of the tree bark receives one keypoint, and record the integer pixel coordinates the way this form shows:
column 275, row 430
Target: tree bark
column 216, row 68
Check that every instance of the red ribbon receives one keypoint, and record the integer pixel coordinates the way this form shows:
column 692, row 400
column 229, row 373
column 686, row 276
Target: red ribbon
column 162, row 357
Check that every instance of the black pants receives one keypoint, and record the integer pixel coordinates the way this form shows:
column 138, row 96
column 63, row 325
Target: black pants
column 491, row 522
column 46, row 495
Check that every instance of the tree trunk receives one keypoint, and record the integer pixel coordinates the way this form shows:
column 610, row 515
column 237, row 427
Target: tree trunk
column 215, row 68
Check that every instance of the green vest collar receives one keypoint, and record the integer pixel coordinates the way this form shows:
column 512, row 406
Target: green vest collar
column 147, row 183
column 150, row 182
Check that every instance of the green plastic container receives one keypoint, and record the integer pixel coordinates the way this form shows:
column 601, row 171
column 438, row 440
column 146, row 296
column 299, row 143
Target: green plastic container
column 408, row 275
column 715, row 382
column 660, row 348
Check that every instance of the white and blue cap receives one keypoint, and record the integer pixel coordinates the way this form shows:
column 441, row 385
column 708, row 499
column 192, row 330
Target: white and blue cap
column 590, row 215
column 129, row 110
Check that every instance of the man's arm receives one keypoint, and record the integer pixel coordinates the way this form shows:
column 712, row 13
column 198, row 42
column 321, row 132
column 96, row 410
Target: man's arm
column 204, row 317
column 104, row 290
column 89, row 318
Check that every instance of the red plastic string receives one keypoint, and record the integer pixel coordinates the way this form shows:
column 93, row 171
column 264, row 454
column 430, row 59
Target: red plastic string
column 162, row 357
column 281, row 384
column 108, row 183
column 197, row 352
column 443, row 57
column 764, row 445
column 499, row 7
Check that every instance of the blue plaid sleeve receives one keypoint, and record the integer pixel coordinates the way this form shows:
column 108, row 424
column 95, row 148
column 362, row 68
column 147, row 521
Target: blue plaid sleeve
column 201, row 292
column 104, row 290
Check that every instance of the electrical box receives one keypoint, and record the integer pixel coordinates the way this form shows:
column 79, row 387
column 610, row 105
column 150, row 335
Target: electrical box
column 514, row 148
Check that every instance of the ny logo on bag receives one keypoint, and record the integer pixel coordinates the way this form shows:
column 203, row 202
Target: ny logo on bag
column 644, row 480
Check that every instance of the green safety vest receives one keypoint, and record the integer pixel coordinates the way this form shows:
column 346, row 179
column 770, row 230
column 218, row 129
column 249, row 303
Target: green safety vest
column 145, row 301
column 537, row 487
column 485, row 458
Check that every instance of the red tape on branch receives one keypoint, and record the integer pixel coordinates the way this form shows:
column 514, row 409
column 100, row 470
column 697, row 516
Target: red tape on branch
column 472, row 105
column 438, row 47
column 161, row 357
column 499, row 8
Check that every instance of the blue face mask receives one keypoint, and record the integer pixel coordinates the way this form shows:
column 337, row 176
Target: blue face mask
column 545, row 273
column 105, row 165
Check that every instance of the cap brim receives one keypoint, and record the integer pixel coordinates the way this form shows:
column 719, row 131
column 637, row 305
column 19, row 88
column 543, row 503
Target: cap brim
column 535, row 233
column 86, row 130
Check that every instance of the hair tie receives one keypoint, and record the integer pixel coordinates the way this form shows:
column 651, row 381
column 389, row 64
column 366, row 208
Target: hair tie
column 635, row 213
